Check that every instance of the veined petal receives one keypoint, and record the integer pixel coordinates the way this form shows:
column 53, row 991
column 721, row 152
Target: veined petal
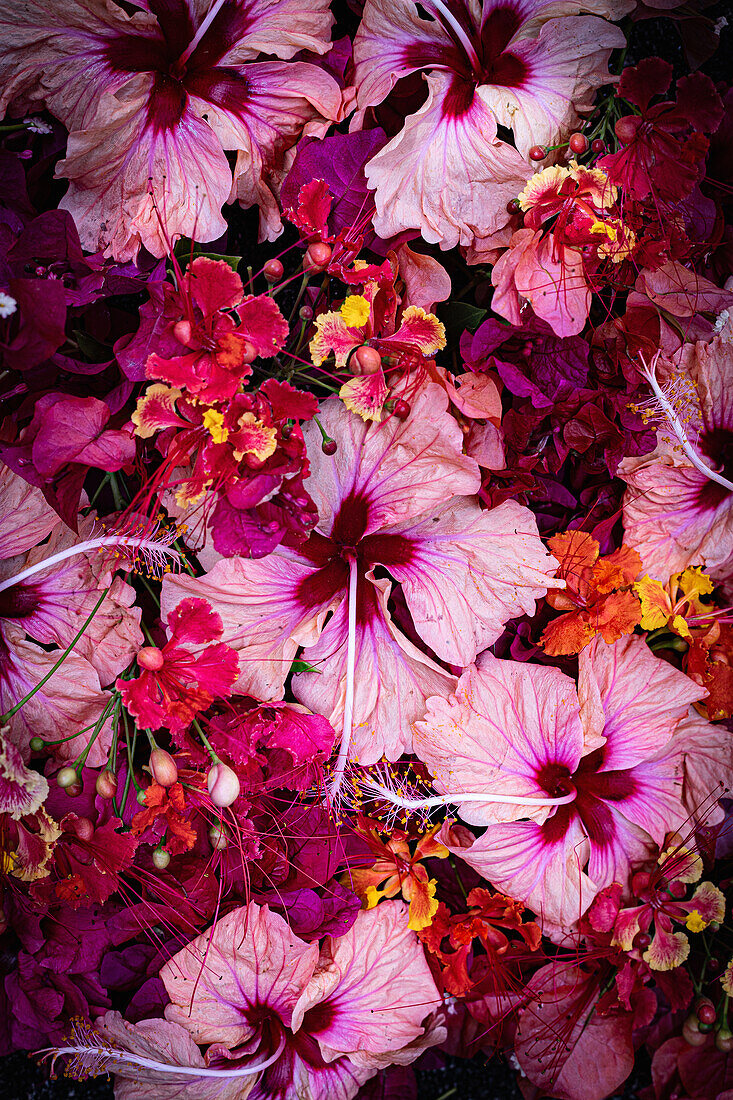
column 267, row 608
column 250, row 959
column 632, row 698
column 393, row 677
column 509, row 729
column 564, row 66
column 552, row 279
column 63, row 54
column 365, row 395
column 465, row 572
column 393, row 471
column 445, row 173
column 333, row 335
column 145, row 149
column 375, row 983
column 33, row 518
column 245, row 28
column 540, row 865
column 667, row 950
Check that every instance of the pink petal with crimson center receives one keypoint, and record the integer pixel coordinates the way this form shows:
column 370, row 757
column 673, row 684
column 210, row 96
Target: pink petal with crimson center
column 131, row 159
column 399, row 469
column 509, row 729
column 393, row 677
column 465, row 572
column 632, row 698
column 268, row 608
column 445, row 174
column 372, row 989
column 222, row 981
column 301, row 1071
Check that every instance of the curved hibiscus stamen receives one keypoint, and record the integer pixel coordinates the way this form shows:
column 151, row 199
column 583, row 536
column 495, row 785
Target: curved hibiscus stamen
column 446, row 17
column 338, row 772
column 92, row 1060
column 673, row 407
column 152, row 552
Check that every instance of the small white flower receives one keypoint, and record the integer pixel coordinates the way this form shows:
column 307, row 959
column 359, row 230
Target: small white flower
column 721, row 320
column 8, row 305
column 37, row 125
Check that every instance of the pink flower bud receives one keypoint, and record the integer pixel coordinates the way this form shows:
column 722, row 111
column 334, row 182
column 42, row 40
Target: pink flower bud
column 249, row 352
column 106, row 785
column 273, row 271
column 67, row 777
column 151, row 658
column 83, row 828
column 182, row 331
column 223, row 785
column 163, row 768
column 365, row 360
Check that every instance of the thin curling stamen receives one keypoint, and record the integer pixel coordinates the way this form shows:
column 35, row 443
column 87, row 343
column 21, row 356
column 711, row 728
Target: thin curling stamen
column 152, row 551
column 673, row 418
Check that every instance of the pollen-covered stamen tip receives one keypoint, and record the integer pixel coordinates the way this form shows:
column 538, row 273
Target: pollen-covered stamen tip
column 153, row 554
column 674, row 405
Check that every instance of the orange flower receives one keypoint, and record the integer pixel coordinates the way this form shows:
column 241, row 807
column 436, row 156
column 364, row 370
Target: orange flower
column 398, row 870
column 597, row 598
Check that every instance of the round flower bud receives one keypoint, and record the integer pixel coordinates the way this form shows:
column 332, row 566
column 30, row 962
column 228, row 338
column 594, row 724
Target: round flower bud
column 724, row 1040
column 74, row 790
column 219, row 837
column 106, row 785
column 140, row 798
column 626, row 128
column 641, row 941
column 37, row 744
column 537, row 152
column 161, row 859
column 67, row 777
column 365, row 360
column 578, row 144
column 305, row 313
column 677, row 889
column 329, row 446
column 150, row 658
column 598, row 145
column 317, row 256
column 183, row 332
column 402, row 410
column 223, row 785
column 705, row 1011
column 691, row 1032
column 163, row 768
column 83, row 828
column 273, row 271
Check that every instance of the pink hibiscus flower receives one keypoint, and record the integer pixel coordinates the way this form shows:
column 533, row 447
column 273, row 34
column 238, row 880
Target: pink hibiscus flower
column 678, row 508
column 522, row 732
column 183, row 678
column 281, row 1018
column 154, row 99
column 394, row 495
column 530, row 67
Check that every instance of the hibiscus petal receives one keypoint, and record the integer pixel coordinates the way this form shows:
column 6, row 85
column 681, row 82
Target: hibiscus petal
column 375, row 983
column 540, row 865
column 465, row 572
column 136, row 166
column 445, row 174
column 634, row 699
column 506, row 722
column 397, row 469
column 33, row 518
column 267, row 612
column 393, row 677
column 249, row 959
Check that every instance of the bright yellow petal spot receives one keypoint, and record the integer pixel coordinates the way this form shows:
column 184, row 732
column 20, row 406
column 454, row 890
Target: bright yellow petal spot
column 694, row 922
column 423, row 905
column 214, row 423
column 355, row 311
column 372, row 896
column 655, row 604
column 679, row 624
